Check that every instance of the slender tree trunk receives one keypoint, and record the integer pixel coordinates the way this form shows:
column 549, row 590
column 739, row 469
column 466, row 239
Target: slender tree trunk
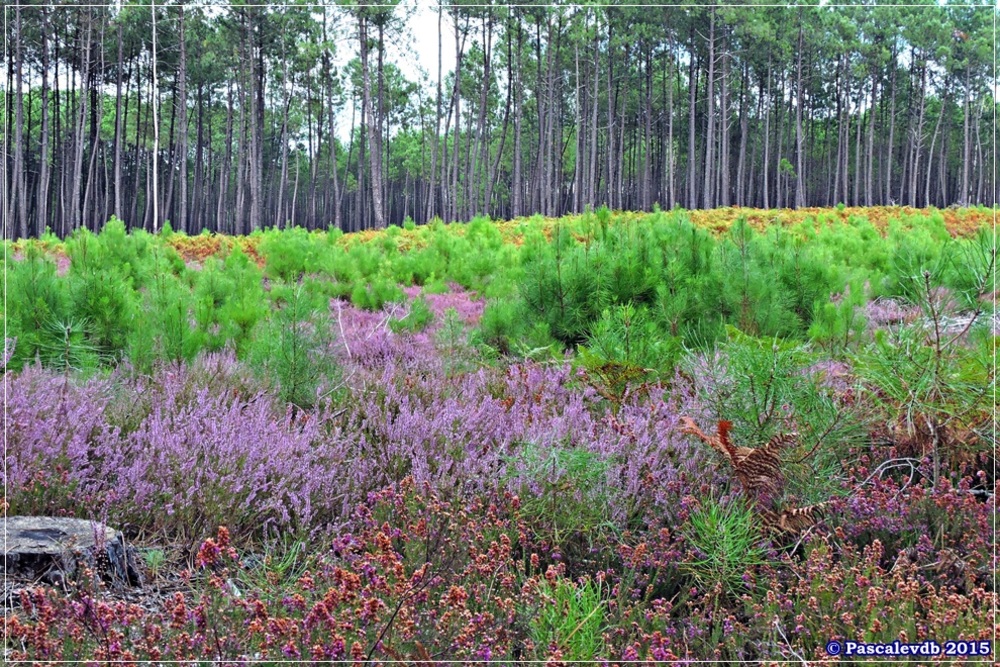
column 42, row 216
column 156, row 133
column 518, row 186
column 494, row 169
column 671, row 162
column 857, row 152
column 892, row 129
column 75, row 198
column 741, row 160
column 196, row 219
column 578, row 131
column 647, row 165
column 19, row 190
column 592, row 186
column 870, row 172
column 930, row 153
column 280, row 215
column 708, row 199
column 692, row 148
column 918, row 137
column 182, row 148
column 800, row 191
column 767, row 135
column 963, row 198
column 724, row 184
column 118, row 210
column 221, row 216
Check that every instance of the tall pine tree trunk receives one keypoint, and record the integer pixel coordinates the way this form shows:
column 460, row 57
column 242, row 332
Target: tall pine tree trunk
column 708, row 200
column 800, row 191
column 42, row 216
column 182, row 122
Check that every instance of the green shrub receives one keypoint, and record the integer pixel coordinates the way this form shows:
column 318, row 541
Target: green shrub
column 104, row 301
column 626, row 335
column 418, row 319
column 288, row 254
column 564, row 496
column 293, row 349
column 35, row 302
column 767, row 387
column 229, row 301
column 570, row 618
column 729, row 543
column 376, row 294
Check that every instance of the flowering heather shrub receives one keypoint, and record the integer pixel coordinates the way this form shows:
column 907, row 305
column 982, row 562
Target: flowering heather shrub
column 923, row 523
column 420, row 578
column 8, row 350
column 202, row 444
column 187, row 452
column 58, row 443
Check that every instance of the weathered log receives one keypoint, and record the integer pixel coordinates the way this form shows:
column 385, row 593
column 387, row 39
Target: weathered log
column 52, row 549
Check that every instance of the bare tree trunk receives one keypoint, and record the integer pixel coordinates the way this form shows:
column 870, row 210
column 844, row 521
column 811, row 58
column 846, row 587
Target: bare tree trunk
column 197, row 217
column 457, row 101
column 42, row 215
column 963, row 198
column 611, row 123
column 221, row 216
column 692, row 198
column 918, row 137
column 767, row 135
column 930, row 153
column 518, row 186
column 800, row 192
column 578, row 130
column 724, row 129
column 708, row 199
column 280, row 215
column 182, row 148
column 840, row 138
column 592, row 186
column 481, row 152
column 671, row 163
column 156, row 132
column 647, row 165
column 892, row 130
column 857, row 152
column 741, row 199
column 118, row 207
column 431, row 194
column 494, row 169
column 75, row 197
column 870, row 172
column 980, row 165
column 19, row 190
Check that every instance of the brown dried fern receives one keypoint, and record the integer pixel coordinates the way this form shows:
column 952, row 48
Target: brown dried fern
column 759, row 473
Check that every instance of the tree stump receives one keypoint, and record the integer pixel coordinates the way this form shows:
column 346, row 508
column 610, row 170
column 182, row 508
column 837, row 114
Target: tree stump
column 51, row 549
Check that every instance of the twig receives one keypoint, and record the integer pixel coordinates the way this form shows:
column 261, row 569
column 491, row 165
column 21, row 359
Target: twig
column 888, row 465
column 777, row 626
column 343, row 338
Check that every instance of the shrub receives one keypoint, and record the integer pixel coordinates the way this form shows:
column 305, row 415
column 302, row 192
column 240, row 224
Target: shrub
column 36, row 303
column 769, row 387
column 418, row 319
column 293, row 349
column 727, row 540
column 569, row 621
column 564, row 496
